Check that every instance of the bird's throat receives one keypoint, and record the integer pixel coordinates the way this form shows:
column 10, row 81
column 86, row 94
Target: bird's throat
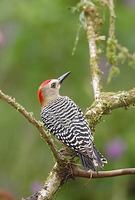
column 49, row 99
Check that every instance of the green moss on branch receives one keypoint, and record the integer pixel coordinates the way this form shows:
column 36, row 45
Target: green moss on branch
column 107, row 103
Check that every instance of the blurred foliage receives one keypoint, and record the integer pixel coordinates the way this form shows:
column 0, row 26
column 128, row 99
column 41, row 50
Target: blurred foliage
column 36, row 42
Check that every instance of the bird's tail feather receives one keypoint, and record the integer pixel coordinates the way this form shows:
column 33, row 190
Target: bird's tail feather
column 99, row 157
column 87, row 162
column 92, row 162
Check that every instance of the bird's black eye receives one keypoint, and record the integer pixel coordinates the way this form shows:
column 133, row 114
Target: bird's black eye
column 53, row 85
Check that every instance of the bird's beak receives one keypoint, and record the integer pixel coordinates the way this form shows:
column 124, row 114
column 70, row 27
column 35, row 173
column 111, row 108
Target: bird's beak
column 61, row 78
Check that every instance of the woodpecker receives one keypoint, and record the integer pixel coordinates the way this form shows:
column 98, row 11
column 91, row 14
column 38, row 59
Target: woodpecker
column 65, row 120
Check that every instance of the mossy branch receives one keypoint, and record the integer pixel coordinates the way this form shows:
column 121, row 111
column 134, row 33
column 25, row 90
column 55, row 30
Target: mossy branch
column 109, row 101
column 112, row 19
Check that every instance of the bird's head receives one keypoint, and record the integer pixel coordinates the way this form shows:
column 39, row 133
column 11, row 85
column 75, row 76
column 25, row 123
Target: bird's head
column 49, row 89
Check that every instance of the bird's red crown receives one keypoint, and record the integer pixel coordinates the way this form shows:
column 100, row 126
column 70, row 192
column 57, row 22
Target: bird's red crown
column 40, row 95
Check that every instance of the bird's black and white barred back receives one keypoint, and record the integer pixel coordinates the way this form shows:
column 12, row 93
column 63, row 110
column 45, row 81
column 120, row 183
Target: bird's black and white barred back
column 65, row 120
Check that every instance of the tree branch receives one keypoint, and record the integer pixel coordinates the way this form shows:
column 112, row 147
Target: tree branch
column 58, row 176
column 89, row 13
column 107, row 103
column 77, row 172
column 29, row 116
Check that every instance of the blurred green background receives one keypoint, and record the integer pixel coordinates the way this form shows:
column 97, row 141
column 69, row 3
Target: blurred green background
column 36, row 42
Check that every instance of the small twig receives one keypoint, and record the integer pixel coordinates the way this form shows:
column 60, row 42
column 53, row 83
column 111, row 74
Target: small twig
column 112, row 19
column 124, row 52
column 29, row 116
column 77, row 172
column 111, row 51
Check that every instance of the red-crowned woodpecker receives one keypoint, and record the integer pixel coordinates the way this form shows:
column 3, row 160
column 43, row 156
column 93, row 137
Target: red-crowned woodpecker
column 64, row 119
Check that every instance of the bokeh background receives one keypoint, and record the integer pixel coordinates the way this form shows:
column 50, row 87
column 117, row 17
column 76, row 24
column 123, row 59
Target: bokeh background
column 36, row 42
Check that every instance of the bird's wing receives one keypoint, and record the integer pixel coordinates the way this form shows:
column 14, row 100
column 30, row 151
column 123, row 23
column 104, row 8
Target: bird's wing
column 65, row 120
